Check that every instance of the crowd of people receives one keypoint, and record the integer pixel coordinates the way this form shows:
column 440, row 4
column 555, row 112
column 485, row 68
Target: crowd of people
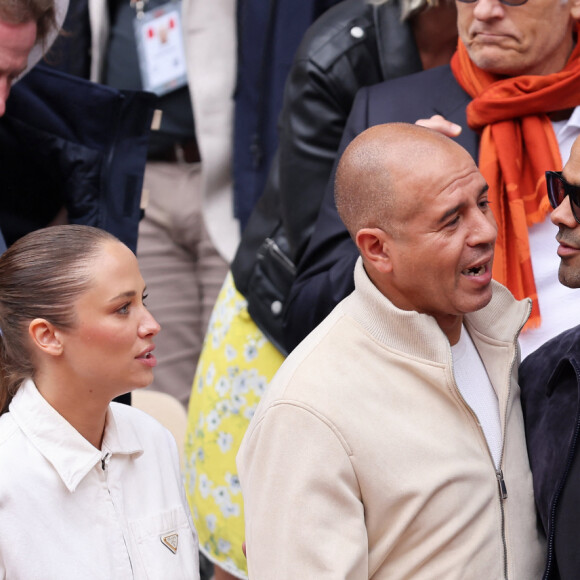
column 344, row 236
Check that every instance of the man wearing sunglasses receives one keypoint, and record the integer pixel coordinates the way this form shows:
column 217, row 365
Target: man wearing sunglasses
column 509, row 97
column 550, row 385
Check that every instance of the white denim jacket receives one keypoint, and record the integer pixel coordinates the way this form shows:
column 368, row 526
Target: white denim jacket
column 70, row 511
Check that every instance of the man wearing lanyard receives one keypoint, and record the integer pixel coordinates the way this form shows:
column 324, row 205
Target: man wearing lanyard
column 183, row 268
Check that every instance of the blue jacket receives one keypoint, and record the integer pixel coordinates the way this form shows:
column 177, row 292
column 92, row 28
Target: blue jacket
column 268, row 35
column 65, row 141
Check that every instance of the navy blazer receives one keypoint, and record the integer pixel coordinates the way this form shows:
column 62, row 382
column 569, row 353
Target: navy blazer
column 325, row 272
column 65, row 141
column 268, row 35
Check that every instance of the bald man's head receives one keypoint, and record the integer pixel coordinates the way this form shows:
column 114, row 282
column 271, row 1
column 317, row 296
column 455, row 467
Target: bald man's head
column 417, row 208
column 380, row 169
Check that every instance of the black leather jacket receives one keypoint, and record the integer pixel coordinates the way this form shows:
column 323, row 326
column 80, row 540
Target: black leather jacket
column 354, row 44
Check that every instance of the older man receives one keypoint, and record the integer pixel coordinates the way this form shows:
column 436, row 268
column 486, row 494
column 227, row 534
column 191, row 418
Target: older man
column 391, row 442
column 513, row 87
column 550, row 394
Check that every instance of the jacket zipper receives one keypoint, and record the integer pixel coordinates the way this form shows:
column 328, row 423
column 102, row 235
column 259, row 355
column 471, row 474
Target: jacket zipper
column 272, row 248
column 502, row 488
column 500, row 480
column 103, row 212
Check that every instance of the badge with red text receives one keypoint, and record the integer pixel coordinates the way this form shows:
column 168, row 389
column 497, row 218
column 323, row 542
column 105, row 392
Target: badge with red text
column 161, row 49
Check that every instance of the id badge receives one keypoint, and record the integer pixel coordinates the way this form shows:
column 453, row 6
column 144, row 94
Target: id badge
column 160, row 48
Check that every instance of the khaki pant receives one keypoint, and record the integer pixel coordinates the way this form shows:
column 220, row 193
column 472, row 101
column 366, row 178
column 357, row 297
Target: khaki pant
column 182, row 270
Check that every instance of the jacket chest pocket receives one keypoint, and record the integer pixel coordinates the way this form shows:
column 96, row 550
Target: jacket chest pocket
column 166, row 546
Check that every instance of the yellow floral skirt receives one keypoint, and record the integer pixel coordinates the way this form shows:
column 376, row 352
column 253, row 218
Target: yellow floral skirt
column 236, row 364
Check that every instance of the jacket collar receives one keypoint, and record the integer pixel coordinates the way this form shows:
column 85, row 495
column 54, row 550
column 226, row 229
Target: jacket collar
column 567, row 348
column 419, row 334
column 71, row 455
column 556, row 378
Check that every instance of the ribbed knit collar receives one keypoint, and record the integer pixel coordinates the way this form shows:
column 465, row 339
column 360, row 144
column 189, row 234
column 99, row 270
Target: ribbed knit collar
column 419, row 334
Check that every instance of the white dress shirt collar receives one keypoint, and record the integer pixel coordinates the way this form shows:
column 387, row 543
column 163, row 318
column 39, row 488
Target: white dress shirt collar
column 71, row 455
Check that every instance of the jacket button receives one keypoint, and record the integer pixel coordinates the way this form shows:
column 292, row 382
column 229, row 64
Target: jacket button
column 357, row 32
column 276, row 307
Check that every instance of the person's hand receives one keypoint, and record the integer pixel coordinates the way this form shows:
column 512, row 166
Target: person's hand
column 244, row 548
column 441, row 124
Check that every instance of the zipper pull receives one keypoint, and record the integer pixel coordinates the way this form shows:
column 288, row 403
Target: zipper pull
column 105, row 461
column 501, row 483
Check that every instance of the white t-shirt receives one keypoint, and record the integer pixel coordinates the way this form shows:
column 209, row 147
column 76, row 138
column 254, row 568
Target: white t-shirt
column 559, row 305
column 478, row 392
column 69, row 511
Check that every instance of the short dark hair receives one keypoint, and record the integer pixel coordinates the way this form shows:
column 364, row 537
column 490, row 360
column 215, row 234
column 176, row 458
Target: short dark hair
column 43, row 12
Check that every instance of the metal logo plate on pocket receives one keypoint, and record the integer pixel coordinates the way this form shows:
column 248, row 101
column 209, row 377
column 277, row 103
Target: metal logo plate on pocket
column 170, row 541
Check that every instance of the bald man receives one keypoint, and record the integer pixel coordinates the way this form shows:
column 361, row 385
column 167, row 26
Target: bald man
column 391, row 442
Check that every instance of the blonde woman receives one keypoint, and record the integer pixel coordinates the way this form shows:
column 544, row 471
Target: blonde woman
column 88, row 488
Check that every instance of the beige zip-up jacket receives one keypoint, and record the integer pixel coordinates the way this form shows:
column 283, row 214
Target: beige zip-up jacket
column 364, row 461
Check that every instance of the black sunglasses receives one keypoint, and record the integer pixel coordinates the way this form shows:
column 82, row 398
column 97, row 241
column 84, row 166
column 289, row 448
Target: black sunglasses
column 506, row 2
column 559, row 188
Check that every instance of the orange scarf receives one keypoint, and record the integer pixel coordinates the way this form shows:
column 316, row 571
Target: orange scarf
column 517, row 146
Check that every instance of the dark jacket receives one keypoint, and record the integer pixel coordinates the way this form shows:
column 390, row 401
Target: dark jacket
column 325, row 272
column 354, row 44
column 550, row 387
column 65, row 141
column 269, row 32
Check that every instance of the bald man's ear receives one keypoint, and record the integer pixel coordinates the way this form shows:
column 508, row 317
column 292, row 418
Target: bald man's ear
column 575, row 9
column 45, row 337
column 374, row 245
